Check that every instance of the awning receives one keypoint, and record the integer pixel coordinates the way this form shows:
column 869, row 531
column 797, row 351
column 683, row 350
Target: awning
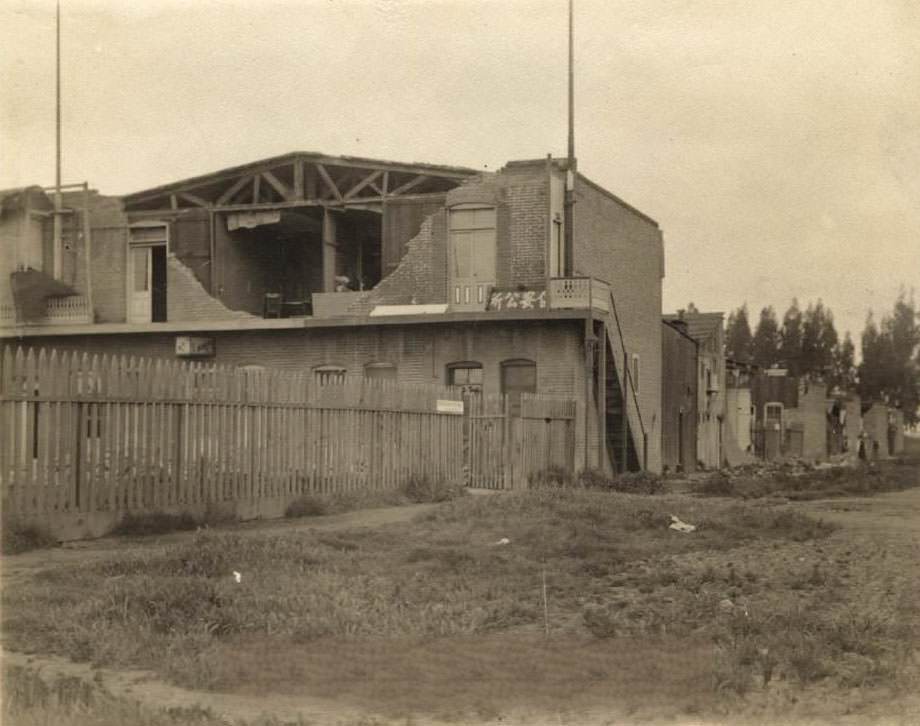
column 30, row 290
column 249, row 220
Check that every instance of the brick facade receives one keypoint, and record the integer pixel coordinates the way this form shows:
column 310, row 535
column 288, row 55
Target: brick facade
column 420, row 353
column 623, row 247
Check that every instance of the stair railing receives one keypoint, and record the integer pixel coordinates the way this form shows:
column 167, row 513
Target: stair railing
column 628, row 383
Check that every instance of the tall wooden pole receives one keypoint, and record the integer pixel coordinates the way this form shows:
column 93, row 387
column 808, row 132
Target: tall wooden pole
column 56, row 252
column 571, row 165
column 88, row 247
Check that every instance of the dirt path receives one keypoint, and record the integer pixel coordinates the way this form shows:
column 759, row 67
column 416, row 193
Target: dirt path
column 896, row 514
column 15, row 567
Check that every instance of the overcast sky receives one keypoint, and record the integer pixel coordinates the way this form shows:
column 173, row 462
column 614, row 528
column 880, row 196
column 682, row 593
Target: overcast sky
column 777, row 143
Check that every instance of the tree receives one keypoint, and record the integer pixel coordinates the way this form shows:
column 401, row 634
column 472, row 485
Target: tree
column 766, row 341
column 843, row 374
column 790, row 350
column 819, row 339
column 738, row 336
column 890, row 367
column 873, row 363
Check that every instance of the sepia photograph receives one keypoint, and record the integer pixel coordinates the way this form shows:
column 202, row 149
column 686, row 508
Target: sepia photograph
column 459, row 362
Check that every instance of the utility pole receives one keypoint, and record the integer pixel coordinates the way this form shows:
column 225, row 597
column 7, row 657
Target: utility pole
column 58, row 211
column 571, row 164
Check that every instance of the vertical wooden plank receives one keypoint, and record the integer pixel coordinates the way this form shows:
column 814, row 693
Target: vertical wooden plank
column 18, row 407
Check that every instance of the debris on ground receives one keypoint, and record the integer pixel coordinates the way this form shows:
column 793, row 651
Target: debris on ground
column 680, row 526
column 503, row 541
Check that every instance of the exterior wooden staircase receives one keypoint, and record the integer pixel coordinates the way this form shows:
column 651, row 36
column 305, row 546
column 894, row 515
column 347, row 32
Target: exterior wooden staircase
column 626, row 435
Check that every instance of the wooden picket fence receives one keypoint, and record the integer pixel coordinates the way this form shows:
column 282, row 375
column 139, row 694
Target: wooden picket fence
column 508, row 441
column 82, row 435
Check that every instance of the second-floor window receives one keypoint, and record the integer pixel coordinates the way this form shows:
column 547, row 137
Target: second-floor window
column 557, row 249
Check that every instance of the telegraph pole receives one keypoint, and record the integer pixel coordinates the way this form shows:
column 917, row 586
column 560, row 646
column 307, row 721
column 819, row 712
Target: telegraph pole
column 58, row 221
column 571, row 163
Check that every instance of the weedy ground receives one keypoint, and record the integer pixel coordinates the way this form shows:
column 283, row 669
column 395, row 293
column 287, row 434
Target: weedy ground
column 757, row 608
column 802, row 482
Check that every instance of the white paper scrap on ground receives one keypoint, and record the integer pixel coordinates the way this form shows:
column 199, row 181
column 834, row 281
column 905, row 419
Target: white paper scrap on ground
column 237, row 576
column 503, row 541
column 679, row 526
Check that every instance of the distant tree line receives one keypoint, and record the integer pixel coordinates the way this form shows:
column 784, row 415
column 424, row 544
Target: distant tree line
column 806, row 342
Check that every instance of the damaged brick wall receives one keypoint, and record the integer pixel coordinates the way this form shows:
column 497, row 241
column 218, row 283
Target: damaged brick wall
column 421, row 276
column 520, row 194
column 186, row 298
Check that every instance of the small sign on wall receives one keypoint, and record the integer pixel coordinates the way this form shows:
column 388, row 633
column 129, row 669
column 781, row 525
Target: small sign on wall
column 453, row 407
column 189, row 346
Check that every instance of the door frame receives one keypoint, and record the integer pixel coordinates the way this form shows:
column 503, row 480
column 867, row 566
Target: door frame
column 473, row 304
column 144, row 241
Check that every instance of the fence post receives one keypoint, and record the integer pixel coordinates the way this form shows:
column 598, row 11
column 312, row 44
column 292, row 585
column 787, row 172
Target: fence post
column 77, row 456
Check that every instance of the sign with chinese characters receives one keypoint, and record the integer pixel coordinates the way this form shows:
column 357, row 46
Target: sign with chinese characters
column 517, row 300
column 453, row 407
column 189, row 346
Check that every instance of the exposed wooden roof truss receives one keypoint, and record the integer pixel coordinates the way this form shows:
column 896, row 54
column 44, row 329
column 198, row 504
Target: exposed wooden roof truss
column 300, row 180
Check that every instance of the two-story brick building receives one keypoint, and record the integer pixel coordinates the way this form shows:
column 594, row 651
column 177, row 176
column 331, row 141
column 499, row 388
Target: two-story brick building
column 413, row 272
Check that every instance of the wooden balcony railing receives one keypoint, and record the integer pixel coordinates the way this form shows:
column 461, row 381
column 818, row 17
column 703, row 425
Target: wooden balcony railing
column 578, row 293
column 70, row 310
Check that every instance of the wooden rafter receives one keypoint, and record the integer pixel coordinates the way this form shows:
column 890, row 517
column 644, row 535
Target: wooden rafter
column 173, row 202
column 233, row 176
column 233, row 190
column 198, row 201
column 277, row 185
column 368, row 180
column 256, row 186
column 328, row 180
column 409, row 185
column 298, row 179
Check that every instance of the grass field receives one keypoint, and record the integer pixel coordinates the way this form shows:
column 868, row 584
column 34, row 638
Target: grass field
column 593, row 600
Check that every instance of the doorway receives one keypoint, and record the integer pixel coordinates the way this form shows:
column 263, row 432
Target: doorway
column 147, row 300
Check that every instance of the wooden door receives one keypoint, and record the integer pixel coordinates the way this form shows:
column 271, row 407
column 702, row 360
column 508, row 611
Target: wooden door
column 140, row 285
column 472, row 256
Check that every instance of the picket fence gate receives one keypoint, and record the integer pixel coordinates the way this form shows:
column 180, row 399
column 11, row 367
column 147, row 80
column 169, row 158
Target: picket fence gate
column 84, row 439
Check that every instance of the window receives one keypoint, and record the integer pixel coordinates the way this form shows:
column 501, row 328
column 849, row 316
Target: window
column 635, row 371
column 557, row 249
column 380, row 372
column 472, row 254
column 773, row 416
column 329, row 375
column 518, row 376
column 466, row 375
